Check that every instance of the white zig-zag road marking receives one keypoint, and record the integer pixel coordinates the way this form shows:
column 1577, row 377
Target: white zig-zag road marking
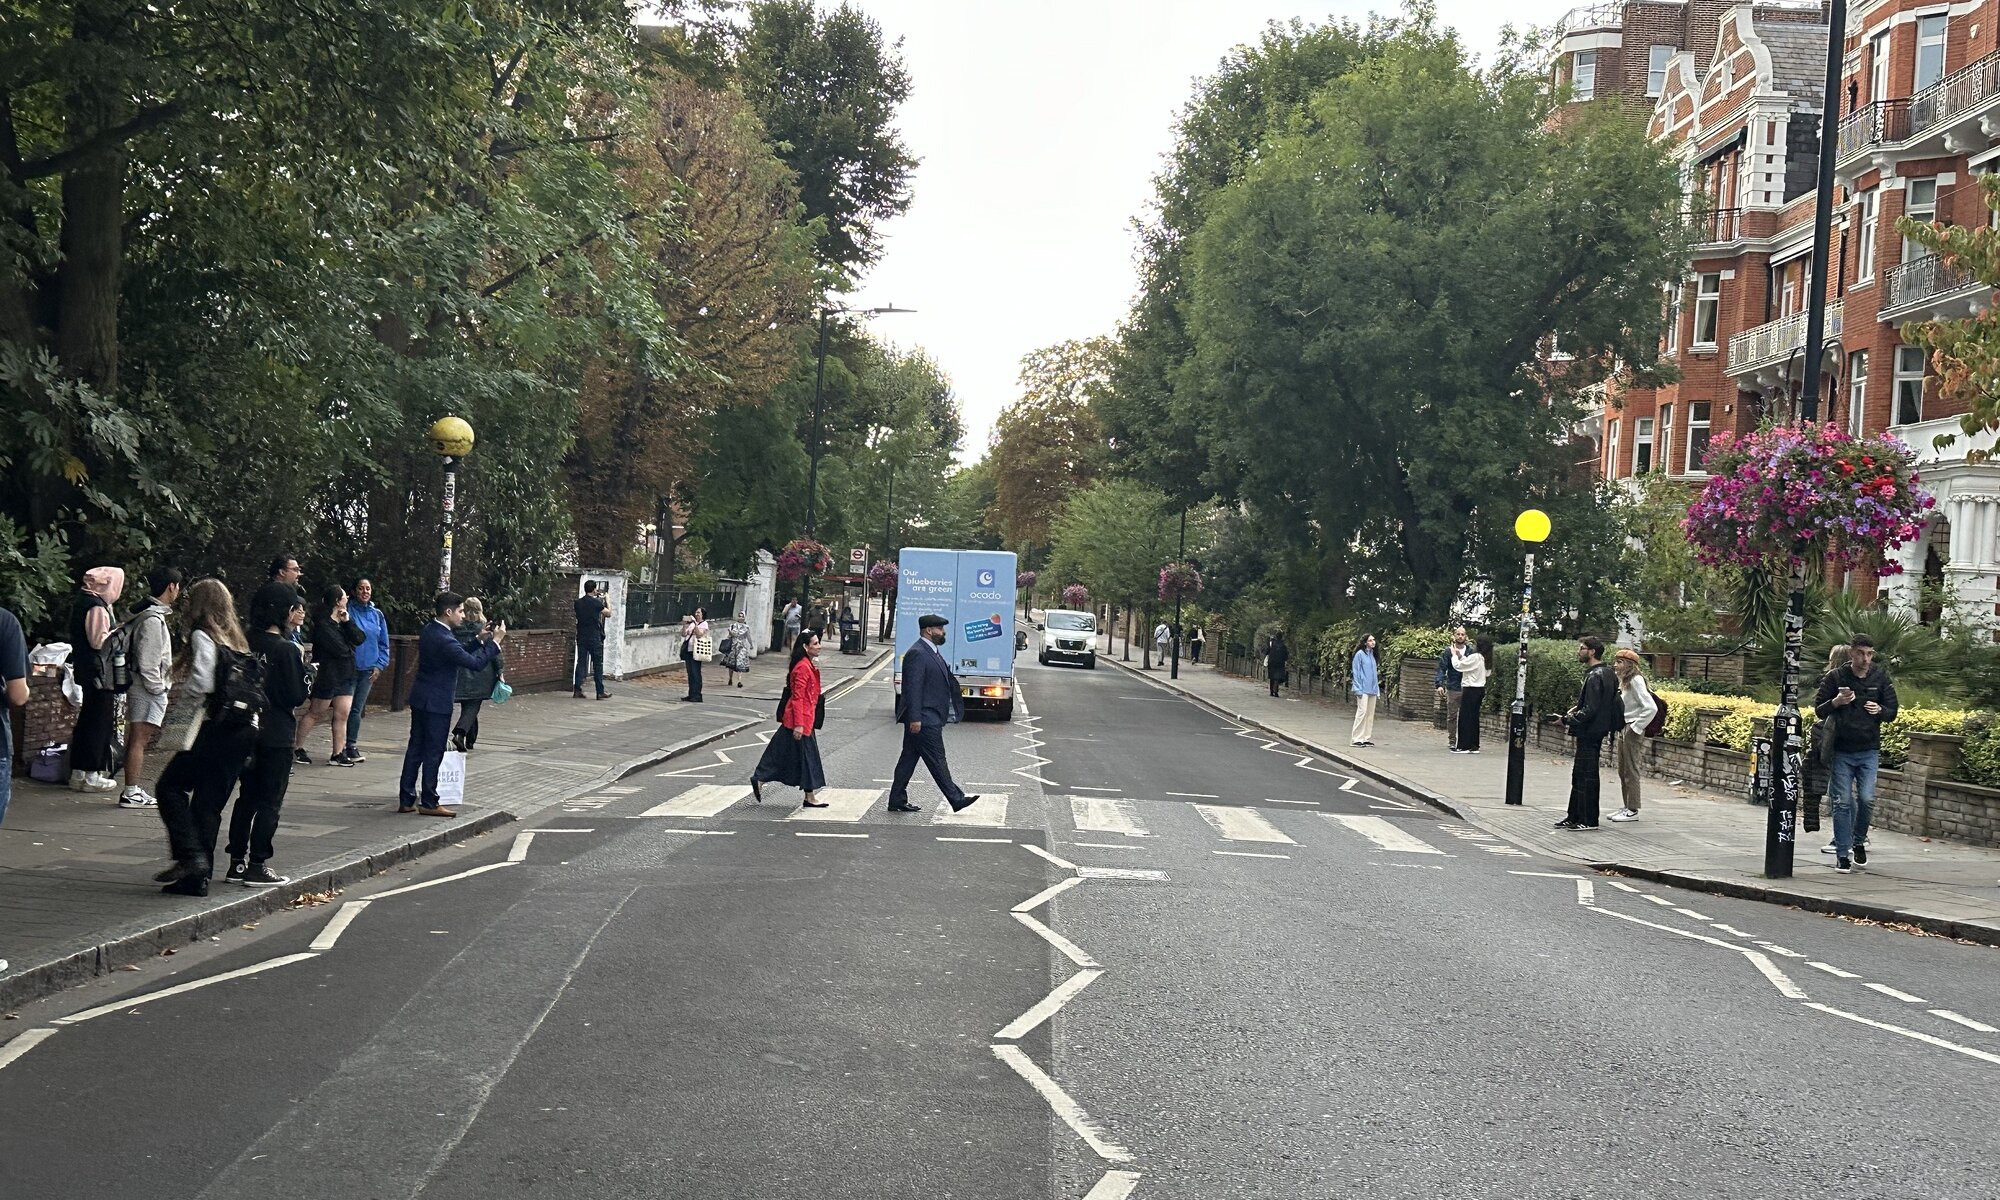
column 13, row 1050
column 1068, row 1111
column 1047, row 894
column 1939, row 1042
column 1113, row 1185
column 1968, row 1022
column 1069, row 949
column 338, row 925
column 1049, row 1005
column 1769, row 969
column 132, row 1002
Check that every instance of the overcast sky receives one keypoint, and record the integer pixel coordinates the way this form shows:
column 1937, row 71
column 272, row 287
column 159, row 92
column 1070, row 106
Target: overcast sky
column 1040, row 126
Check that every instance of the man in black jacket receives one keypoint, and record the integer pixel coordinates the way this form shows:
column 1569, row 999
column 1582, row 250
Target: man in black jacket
column 1598, row 712
column 1859, row 699
column 930, row 700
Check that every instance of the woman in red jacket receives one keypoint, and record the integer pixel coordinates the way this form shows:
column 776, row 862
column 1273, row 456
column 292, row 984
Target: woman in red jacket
column 792, row 755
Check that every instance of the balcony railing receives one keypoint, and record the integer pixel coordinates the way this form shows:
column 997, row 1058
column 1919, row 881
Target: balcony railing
column 1608, row 15
column 1873, row 125
column 1888, row 122
column 1716, row 225
column 1771, row 343
column 1924, row 279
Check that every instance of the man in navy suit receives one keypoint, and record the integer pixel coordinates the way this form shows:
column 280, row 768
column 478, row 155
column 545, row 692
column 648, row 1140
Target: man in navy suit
column 439, row 660
column 931, row 700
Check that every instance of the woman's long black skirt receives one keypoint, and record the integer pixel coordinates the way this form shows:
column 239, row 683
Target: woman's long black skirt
column 792, row 761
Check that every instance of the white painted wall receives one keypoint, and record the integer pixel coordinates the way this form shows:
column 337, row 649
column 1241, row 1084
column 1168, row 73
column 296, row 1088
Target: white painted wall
column 612, row 585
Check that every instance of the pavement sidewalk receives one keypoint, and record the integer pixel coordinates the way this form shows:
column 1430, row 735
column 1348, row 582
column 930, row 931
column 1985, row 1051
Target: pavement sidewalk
column 1684, row 836
column 76, row 896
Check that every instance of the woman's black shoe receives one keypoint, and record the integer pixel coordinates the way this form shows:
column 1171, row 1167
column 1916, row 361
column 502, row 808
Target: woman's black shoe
column 175, row 872
column 757, row 789
column 196, row 885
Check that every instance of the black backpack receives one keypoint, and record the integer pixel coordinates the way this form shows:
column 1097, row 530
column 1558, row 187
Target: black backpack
column 1658, row 725
column 238, row 698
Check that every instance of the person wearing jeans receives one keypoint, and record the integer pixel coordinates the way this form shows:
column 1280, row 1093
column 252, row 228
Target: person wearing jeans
column 1859, row 699
column 1366, row 681
column 371, row 658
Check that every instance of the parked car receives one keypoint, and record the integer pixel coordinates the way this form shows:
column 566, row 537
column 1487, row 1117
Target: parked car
column 1069, row 636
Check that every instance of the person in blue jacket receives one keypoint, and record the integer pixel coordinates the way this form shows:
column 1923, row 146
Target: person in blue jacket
column 931, row 699
column 1367, row 686
column 439, row 660
column 371, row 658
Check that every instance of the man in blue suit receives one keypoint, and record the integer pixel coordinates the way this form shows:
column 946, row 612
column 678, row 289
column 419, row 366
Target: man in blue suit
column 930, row 701
column 439, row 660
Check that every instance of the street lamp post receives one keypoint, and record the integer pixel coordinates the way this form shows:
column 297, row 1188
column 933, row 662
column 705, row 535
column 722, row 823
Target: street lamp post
column 1532, row 527
column 1174, row 672
column 826, row 312
column 451, row 437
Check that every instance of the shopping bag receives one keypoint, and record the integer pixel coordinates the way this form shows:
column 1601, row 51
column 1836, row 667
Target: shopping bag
column 502, row 691
column 451, row 780
column 183, row 724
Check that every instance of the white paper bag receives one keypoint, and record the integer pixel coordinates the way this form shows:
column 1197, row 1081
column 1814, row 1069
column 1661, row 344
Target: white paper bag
column 451, row 780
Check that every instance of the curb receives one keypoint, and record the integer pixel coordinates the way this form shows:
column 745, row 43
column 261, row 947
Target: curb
column 1436, row 800
column 145, row 939
column 1986, row 935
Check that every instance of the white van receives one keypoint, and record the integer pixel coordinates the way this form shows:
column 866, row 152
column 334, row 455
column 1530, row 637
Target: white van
column 1069, row 636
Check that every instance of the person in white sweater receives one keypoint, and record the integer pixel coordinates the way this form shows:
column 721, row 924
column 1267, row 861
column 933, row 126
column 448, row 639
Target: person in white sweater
column 1471, row 663
column 1639, row 709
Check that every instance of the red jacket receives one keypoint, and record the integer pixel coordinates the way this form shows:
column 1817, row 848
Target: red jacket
column 803, row 708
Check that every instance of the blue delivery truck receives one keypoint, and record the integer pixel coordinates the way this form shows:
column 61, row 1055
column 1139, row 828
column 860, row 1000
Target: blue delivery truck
column 974, row 591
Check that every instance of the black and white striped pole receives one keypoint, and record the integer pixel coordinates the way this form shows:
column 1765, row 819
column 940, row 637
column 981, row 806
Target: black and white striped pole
column 451, row 437
column 1532, row 527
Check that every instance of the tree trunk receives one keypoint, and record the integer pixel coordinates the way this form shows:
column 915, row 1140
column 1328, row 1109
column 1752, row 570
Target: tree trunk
column 93, row 202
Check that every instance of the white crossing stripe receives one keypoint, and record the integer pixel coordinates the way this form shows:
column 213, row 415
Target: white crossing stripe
column 1968, row 1022
column 1099, row 814
column 842, row 804
column 1386, row 834
column 1241, row 824
column 702, row 800
column 989, row 813
column 1114, row 1185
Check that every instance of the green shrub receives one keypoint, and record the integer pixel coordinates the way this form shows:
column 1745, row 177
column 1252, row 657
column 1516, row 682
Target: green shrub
column 1412, row 641
column 1333, row 649
column 1980, row 762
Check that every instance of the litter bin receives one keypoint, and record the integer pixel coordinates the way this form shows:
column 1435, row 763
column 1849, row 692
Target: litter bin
column 851, row 642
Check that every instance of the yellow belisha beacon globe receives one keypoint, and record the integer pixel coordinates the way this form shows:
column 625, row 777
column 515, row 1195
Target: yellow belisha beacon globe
column 451, row 437
column 1532, row 526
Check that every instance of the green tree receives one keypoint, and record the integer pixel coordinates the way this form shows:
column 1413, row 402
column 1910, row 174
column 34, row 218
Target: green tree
column 1047, row 444
column 1678, row 601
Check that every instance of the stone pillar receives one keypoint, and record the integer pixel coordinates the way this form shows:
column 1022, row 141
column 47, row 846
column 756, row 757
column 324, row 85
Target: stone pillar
column 1933, row 757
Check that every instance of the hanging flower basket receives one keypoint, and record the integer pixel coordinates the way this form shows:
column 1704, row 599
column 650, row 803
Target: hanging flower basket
column 1179, row 581
column 1807, row 490
column 1076, row 597
column 803, row 558
column 882, row 576
column 1025, row 581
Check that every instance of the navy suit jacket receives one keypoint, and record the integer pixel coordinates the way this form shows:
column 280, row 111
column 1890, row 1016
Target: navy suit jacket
column 930, row 691
column 439, row 660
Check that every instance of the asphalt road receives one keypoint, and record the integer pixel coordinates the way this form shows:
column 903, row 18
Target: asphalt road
column 1161, row 958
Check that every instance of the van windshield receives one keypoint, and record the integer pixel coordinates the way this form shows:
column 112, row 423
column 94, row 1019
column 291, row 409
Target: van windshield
column 1072, row 622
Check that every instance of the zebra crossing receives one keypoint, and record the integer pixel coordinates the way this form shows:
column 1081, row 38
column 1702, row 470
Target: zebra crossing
column 1096, row 821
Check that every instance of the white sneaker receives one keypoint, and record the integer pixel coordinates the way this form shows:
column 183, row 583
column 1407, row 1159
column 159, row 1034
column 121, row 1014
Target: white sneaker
column 137, row 797
column 1829, row 848
column 1624, row 814
column 93, row 782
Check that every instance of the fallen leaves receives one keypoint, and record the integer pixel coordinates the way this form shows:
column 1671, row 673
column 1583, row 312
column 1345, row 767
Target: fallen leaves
column 313, row 899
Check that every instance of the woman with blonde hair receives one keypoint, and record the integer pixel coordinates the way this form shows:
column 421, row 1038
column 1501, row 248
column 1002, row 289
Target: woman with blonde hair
column 475, row 688
column 215, row 671
column 1640, row 708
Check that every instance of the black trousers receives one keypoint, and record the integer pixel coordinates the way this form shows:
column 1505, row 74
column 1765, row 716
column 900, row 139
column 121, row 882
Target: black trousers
column 423, row 756
column 928, row 745
column 196, row 784
column 1471, row 701
column 694, row 678
column 90, row 738
column 253, row 821
column 468, row 721
column 591, row 655
column 1583, row 781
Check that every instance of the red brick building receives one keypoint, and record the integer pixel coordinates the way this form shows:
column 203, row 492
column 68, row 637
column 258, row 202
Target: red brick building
column 1739, row 96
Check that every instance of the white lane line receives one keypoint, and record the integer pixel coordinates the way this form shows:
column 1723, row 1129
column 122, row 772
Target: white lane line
column 1586, row 892
column 1079, row 787
column 617, row 791
column 1047, row 894
column 701, row 832
column 1893, row 994
column 1731, row 929
column 418, row 887
column 1247, row 854
column 1118, row 873
column 1194, row 795
column 1070, row 950
column 1064, row 863
column 1780, row 950
column 1067, row 1110
column 1268, row 800
column 1623, row 887
column 338, row 925
column 135, row 1001
column 980, row 841
column 553, row 829
column 1020, row 1026
column 1349, row 785
column 688, row 773
column 1661, row 901
column 1830, row 969
column 1939, row 1042
column 989, row 813
column 1115, row 1185
column 519, row 851
column 1688, row 912
column 842, row 804
column 1242, row 824
column 803, row 833
column 702, row 800
column 1779, row 980
column 1107, row 845
column 12, row 1051
column 1385, row 834
column 1545, row 874
column 1099, row 814
column 1968, row 1022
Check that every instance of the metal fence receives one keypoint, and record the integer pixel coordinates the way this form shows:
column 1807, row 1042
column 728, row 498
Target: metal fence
column 648, row 605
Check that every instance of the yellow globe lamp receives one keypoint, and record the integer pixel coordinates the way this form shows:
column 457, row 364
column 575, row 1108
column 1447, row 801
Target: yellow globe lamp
column 451, row 437
column 1532, row 526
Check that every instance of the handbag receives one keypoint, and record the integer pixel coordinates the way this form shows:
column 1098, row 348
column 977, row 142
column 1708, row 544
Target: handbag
column 182, row 725
column 704, row 647
column 502, row 691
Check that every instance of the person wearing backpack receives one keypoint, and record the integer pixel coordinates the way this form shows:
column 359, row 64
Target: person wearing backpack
column 218, row 673
column 253, row 822
column 149, row 656
column 1642, row 710
column 90, row 628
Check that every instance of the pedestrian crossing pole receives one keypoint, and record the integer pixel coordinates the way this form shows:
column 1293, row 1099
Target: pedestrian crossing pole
column 451, row 437
column 1175, row 671
column 1532, row 527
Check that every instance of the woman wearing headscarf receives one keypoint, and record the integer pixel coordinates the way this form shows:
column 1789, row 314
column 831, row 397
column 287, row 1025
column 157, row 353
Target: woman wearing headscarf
column 90, row 624
column 791, row 757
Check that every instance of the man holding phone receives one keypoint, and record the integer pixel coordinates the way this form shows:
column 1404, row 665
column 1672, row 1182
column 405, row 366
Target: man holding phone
column 439, row 660
column 1859, row 699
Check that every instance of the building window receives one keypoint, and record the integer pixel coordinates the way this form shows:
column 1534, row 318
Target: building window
column 1857, row 389
column 1583, row 74
column 1642, row 445
column 1697, row 447
column 1930, row 51
column 1909, row 385
column 1666, row 437
column 1611, row 450
column 1920, row 204
column 1656, row 69
column 1878, row 68
column 1673, row 317
column 1707, row 306
column 1864, row 235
